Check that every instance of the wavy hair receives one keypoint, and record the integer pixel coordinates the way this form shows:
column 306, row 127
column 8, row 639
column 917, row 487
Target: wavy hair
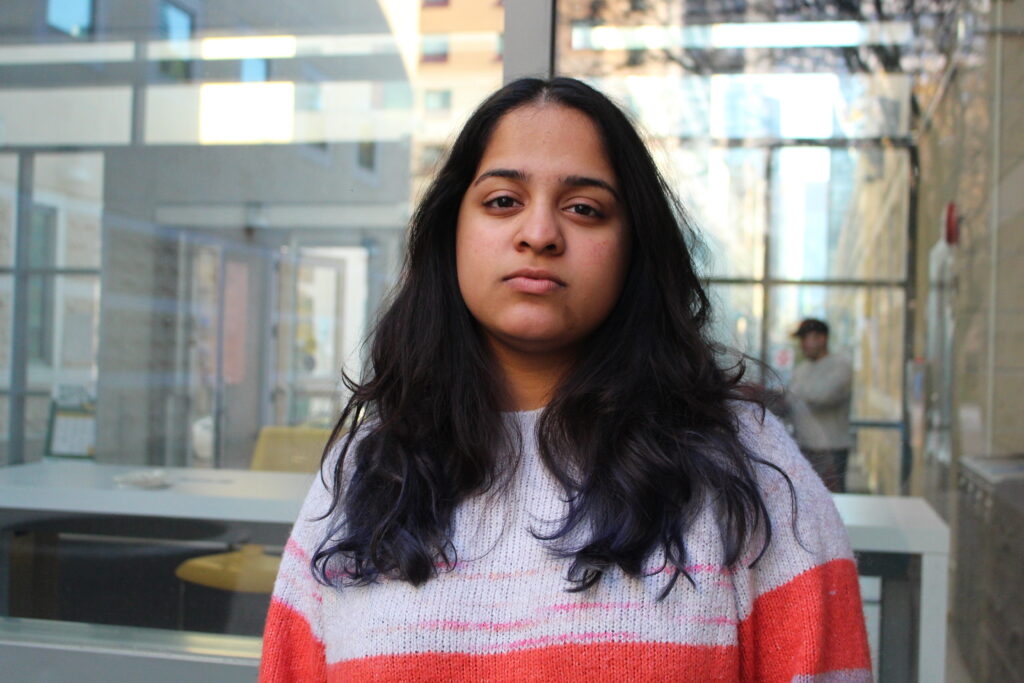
column 641, row 434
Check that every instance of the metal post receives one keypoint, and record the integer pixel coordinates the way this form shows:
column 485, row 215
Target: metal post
column 19, row 313
column 529, row 39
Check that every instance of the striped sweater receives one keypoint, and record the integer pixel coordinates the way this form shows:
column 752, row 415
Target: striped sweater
column 503, row 614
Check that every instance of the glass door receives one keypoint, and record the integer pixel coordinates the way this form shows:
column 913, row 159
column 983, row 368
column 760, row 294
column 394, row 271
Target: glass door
column 320, row 322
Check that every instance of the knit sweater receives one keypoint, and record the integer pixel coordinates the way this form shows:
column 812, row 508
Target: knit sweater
column 503, row 612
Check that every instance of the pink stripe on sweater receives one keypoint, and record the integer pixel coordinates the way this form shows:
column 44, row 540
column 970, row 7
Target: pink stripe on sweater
column 574, row 606
column 561, row 639
column 293, row 548
column 457, row 625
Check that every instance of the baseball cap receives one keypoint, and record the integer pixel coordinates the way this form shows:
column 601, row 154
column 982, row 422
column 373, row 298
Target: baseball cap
column 811, row 325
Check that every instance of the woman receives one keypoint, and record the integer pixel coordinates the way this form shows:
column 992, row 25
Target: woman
column 555, row 476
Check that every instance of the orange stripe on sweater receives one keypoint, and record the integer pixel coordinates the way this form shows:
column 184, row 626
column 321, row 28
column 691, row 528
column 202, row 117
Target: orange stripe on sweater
column 290, row 650
column 592, row 662
column 811, row 625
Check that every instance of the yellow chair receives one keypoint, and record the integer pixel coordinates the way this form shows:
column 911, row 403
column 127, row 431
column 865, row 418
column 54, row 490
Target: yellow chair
column 249, row 569
column 289, row 449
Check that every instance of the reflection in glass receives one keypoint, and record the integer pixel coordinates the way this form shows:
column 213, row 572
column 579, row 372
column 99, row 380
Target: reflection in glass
column 724, row 190
column 176, row 29
column 175, row 22
column 57, row 116
column 772, row 105
column 8, row 206
column 784, row 130
column 41, row 255
column 212, row 258
column 738, row 314
column 72, row 185
column 236, row 113
column 747, row 35
column 73, row 17
column 839, row 213
column 762, row 105
column 6, row 301
column 62, row 331
column 435, row 47
column 322, row 310
column 875, row 461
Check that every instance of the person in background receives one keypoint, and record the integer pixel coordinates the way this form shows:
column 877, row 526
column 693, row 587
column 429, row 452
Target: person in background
column 819, row 404
column 556, row 479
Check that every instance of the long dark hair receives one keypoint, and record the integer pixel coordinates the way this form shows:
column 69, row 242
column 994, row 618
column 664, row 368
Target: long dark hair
column 641, row 434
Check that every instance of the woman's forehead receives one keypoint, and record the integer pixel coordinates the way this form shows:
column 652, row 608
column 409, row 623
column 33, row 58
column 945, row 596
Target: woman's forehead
column 547, row 139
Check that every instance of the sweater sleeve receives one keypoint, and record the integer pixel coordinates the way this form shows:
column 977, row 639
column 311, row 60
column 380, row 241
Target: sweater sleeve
column 801, row 616
column 293, row 637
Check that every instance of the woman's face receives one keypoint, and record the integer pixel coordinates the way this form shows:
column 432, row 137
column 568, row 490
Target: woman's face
column 542, row 244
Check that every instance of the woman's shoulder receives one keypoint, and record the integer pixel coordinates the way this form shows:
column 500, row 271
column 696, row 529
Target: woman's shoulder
column 763, row 434
column 800, row 507
column 775, row 452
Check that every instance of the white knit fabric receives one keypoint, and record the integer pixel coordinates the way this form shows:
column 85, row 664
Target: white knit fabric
column 508, row 589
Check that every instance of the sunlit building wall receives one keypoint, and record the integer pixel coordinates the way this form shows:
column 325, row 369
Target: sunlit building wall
column 458, row 65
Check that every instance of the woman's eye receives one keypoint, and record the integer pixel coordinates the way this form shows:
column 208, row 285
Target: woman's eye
column 502, row 202
column 586, row 210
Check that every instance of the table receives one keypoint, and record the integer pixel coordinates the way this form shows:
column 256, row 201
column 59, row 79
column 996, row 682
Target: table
column 878, row 524
column 86, row 487
column 60, row 495
column 908, row 526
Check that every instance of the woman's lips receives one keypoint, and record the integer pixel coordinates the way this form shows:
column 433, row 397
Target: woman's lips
column 533, row 281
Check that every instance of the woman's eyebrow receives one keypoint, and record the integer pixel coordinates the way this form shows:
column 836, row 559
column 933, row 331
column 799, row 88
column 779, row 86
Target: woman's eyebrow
column 570, row 181
column 510, row 173
column 587, row 181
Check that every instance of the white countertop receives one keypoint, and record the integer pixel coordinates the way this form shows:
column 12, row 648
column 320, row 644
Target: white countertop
column 73, row 486
column 897, row 524
column 875, row 523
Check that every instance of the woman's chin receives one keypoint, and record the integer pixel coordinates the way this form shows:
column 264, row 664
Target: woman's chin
column 542, row 341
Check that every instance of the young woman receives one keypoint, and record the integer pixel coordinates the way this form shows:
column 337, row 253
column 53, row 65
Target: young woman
column 555, row 476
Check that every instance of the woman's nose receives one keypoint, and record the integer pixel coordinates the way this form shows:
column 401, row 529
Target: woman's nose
column 541, row 232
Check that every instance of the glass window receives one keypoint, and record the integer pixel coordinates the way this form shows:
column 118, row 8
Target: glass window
column 793, row 165
column 41, row 256
column 67, row 116
column 175, row 22
column 839, row 213
column 738, row 316
column 430, row 155
column 876, row 461
column 435, row 48
column 8, row 205
column 725, row 189
column 254, row 70
column 73, row 17
column 204, row 256
column 176, row 28
column 393, row 95
column 866, row 325
column 437, row 100
column 366, row 155
column 6, row 348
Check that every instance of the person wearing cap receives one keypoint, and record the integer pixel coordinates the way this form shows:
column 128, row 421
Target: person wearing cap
column 818, row 398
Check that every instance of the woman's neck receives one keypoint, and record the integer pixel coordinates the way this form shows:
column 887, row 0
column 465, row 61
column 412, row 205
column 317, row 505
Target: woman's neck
column 531, row 378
